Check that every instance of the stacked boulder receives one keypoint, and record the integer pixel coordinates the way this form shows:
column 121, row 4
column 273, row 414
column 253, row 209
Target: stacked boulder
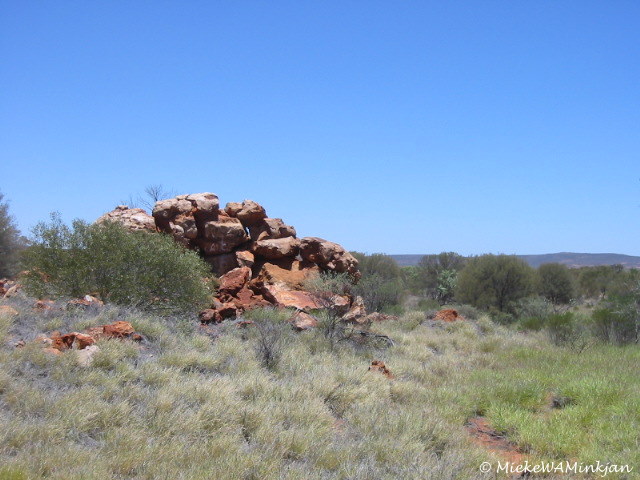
column 132, row 218
column 260, row 260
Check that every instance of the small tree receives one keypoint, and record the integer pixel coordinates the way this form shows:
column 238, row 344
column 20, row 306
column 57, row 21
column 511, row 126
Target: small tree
column 555, row 283
column 10, row 241
column 494, row 281
column 142, row 269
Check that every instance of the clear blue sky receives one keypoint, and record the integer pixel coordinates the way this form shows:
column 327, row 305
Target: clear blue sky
column 396, row 127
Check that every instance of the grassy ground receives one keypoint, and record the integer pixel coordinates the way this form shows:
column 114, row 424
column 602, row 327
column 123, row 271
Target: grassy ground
column 265, row 403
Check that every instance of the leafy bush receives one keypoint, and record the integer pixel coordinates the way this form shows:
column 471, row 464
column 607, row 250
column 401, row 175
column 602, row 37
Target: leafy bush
column 494, row 281
column 533, row 307
column 378, row 264
column 532, row 312
column 614, row 325
column 503, row 318
column 146, row 270
column 379, row 293
column 555, row 283
column 568, row 329
column 381, row 286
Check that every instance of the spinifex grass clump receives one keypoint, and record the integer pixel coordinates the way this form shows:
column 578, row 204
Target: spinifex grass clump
column 146, row 270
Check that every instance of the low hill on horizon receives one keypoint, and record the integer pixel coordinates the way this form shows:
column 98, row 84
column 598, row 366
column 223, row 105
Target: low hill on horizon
column 570, row 259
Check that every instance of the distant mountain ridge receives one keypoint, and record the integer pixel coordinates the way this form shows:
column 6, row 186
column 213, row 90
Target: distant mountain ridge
column 572, row 260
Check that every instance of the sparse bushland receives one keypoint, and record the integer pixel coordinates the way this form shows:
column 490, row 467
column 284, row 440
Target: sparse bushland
column 146, row 270
column 187, row 404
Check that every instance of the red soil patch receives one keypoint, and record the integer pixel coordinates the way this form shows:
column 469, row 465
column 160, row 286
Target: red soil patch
column 486, row 436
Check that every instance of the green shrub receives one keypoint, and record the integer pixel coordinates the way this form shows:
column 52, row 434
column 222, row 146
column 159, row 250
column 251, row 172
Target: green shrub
column 503, row 318
column 146, row 270
column 532, row 312
column 568, row 329
column 614, row 326
column 379, row 293
column 561, row 327
column 555, row 283
column 532, row 323
column 494, row 281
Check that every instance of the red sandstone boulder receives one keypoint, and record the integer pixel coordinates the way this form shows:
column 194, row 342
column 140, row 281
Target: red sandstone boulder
column 448, row 315
column 233, row 281
column 233, row 208
column 357, row 311
column 228, row 310
column 247, row 299
column 222, row 235
column 244, row 258
column 275, row 248
column 271, row 228
column 184, row 215
column 83, row 340
column 118, row 329
column 329, row 255
column 210, row 315
column 86, row 301
column 62, row 342
column 248, row 212
column 282, row 297
column 131, row 218
column 289, row 272
column 303, row 321
column 165, row 211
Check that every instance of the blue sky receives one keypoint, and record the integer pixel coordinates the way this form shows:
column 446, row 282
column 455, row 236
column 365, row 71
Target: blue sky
column 396, row 127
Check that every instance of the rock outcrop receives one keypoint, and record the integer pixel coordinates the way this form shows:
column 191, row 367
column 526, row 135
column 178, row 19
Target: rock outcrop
column 260, row 260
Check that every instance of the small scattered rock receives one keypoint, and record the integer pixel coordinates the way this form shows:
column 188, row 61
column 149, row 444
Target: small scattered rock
column 85, row 356
column 379, row 366
column 448, row 315
column 303, row 321
column 357, row 311
column 44, row 305
column 7, row 311
column 86, row 301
